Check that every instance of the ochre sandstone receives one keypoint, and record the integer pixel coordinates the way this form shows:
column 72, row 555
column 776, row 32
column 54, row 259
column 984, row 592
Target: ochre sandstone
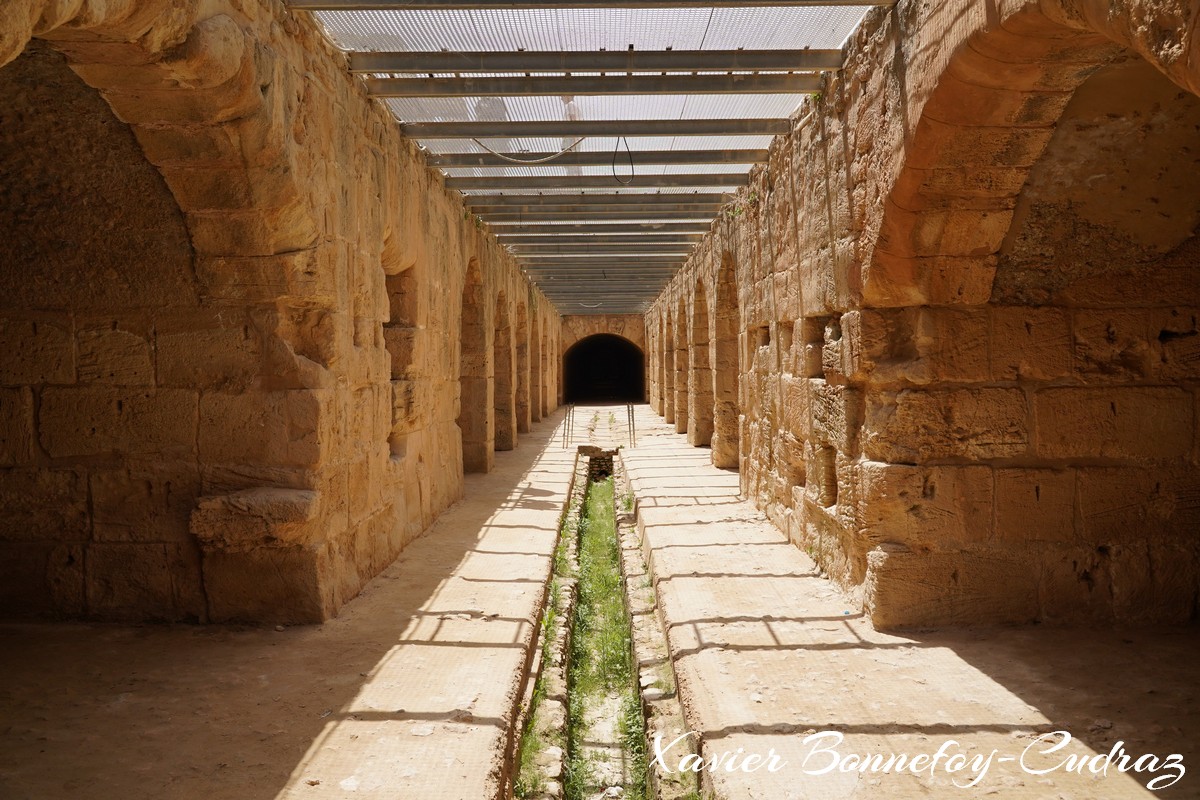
column 948, row 332
column 250, row 341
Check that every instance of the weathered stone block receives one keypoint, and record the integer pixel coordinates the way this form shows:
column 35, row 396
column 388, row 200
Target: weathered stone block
column 277, row 584
column 95, row 421
column 937, row 508
column 1178, row 335
column 1035, row 505
column 915, row 426
column 907, row 587
column 284, row 428
column 16, row 426
column 259, row 232
column 1153, row 581
column 795, row 410
column 1116, row 423
column 256, row 518
column 39, row 349
column 41, row 578
column 209, row 349
column 129, row 581
column 115, row 355
column 1114, row 346
column 944, row 145
column 401, row 346
column 1122, row 504
column 43, row 505
column 1075, row 585
column 891, row 280
column 145, row 502
column 1030, row 343
column 836, row 415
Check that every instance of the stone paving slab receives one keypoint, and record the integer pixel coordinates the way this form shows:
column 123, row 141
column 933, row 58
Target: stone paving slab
column 767, row 652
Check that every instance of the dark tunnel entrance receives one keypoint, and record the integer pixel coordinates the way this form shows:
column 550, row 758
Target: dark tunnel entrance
column 604, row 369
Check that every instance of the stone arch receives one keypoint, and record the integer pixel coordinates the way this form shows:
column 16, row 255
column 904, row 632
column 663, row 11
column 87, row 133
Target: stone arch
column 668, row 350
column 546, row 385
column 101, row 375
column 1032, row 281
column 535, row 368
column 504, row 391
column 986, row 122
column 681, row 367
column 400, row 337
column 660, row 366
column 700, row 401
column 475, row 419
column 523, row 373
column 604, row 368
column 213, row 107
column 726, row 368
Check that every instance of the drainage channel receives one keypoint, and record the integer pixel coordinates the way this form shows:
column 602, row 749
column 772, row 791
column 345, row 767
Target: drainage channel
column 604, row 685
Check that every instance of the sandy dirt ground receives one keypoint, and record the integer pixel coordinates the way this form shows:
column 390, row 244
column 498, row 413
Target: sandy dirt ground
column 768, row 653
column 409, row 693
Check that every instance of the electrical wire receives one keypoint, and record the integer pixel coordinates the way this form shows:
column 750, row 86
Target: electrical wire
column 534, row 160
column 632, row 170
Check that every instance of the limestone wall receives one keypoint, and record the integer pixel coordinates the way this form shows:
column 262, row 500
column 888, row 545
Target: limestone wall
column 946, row 331
column 232, row 342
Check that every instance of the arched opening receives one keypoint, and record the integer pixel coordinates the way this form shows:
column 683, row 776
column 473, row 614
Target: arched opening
column 475, row 418
column 522, row 349
column 1050, row 412
column 681, row 369
column 103, row 380
column 502, row 357
column 726, row 369
column 668, row 359
column 701, row 402
column 535, row 367
column 604, row 368
column 658, row 368
column 544, row 385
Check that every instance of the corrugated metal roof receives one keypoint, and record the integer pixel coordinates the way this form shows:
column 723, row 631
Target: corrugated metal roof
column 582, row 30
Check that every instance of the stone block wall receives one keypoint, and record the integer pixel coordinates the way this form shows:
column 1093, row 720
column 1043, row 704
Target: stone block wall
column 233, row 381
column 949, row 324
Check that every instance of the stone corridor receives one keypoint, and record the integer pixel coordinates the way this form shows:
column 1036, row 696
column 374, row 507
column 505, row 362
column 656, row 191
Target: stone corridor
column 413, row 690
column 305, row 305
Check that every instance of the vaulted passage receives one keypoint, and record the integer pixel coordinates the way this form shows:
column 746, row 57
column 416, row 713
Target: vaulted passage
column 604, row 368
column 291, row 292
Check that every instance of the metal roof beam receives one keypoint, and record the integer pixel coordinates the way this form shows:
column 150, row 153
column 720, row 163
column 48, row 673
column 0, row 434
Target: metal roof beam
column 635, row 181
column 492, row 5
column 598, row 262
column 604, row 251
column 598, row 158
column 753, row 83
column 613, row 276
column 507, row 233
column 598, row 61
column 606, row 213
column 640, row 215
column 599, row 127
column 524, row 243
column 628, row 199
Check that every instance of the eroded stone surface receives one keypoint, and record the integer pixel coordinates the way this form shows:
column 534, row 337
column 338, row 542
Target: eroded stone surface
column 227, row 277
column 961, row 294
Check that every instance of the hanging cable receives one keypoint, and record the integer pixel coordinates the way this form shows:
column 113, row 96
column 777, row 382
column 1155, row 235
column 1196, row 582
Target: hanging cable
column 534, row 160
column 629, row 154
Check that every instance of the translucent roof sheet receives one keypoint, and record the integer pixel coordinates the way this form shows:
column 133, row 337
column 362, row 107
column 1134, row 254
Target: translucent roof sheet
column 594, row 29
column 500, row 30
